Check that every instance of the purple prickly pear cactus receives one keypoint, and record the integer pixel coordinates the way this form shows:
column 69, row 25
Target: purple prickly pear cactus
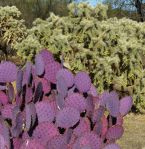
column 52, row 108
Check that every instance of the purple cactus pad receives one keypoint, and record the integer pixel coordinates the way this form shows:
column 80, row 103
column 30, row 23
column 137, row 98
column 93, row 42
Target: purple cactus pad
column 76, row 101
column 90, row 140
column 11, row 92
column 51, row 70
column 60, row 101
column 17, row 142
column 3, row 98
column 125, row 105
column 68, row 76
column 8, row 72
column 7, row 111
column 28, row 95
column 93, row 91
column 83, row 127
column 97, row 114
column 39, row 64
column 67, row 117
column 115, row 132
column 19, row 81
column 82, row 82
column 61, row 86
column 112, row 103
column 57, row 142
column 44, row 132
column 27, row 74
column 45, row 112
column 32, row 144
column 112, row 146
column 47, row 56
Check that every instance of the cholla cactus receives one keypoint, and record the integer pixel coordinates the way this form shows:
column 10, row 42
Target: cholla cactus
column 52, row 108
column 111, row 50
column 28, row 48
column 12, row 29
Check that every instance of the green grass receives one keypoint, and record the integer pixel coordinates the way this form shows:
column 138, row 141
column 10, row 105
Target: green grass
column 134, row 135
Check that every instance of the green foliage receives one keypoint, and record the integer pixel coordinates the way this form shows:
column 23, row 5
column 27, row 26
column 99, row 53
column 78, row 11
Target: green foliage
column 134, row 9
column 12, row 29
column 29, row 47
column 111, row 50
column 32, row 9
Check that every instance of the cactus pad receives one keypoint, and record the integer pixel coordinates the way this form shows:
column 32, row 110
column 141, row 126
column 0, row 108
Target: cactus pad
column 8, row 72
column 44, row 132
column 7, row 111
column 68, row 76
column 88, row 139
column 44, row 112
column 3, row 98
column 32, row 144
column 112, row 146
column 115, row 132
column 82, row 81
column 47, row 56
column 67, row 117
column 83, row 127
column 39, row 64
column 57, row 142
column 76, row 101
column 51, row 70
column 125, row 105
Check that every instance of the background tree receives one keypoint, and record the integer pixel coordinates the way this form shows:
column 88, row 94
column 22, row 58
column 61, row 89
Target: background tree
column 134, row 9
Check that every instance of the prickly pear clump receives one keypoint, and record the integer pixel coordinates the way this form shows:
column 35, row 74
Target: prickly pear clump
column 51, row 108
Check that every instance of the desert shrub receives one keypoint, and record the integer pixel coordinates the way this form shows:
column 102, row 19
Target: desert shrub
column 50, row 107
column 111, row 50
column 12, row 29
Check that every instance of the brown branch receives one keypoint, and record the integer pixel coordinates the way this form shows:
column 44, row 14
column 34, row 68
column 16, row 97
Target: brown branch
column 138, row 5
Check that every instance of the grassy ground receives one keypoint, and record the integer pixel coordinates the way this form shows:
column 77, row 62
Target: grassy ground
column 134, row 135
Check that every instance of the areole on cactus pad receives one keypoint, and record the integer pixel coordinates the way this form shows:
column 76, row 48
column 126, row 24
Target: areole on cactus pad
column 52, row 108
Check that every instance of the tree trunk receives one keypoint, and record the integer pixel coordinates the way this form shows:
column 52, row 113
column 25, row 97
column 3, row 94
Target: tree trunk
column 138, row 5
